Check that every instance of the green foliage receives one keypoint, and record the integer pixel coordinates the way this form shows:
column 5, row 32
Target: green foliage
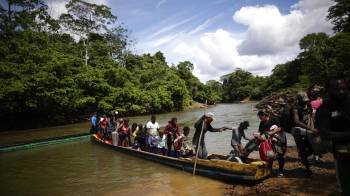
column 322, row 57
column 46, row 80
column 84, row 19
column 47, row 77
column 339, row 14
column 240, row 85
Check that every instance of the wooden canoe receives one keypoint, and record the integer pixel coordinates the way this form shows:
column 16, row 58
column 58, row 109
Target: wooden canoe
column 214, row 168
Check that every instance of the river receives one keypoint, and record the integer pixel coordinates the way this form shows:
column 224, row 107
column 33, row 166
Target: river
column 83, row 168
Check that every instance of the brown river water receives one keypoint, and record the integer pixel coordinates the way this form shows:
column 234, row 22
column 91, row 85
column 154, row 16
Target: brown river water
column 84, row 168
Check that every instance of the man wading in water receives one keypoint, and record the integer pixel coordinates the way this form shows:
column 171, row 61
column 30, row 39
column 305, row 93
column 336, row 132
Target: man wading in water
column 207, row 119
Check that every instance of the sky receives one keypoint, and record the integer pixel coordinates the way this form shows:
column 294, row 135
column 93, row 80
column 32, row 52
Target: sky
column 218, row 36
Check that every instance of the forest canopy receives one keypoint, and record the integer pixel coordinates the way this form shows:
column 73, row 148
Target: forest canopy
column 56, row 70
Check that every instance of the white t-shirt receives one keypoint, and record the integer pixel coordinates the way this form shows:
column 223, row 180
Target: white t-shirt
column 153, row 128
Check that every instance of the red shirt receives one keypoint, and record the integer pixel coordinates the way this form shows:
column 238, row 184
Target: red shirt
column 124, row 129
column 172, row 129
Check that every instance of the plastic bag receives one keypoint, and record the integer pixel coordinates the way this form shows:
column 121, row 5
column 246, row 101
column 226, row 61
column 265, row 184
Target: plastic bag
column 266, row 151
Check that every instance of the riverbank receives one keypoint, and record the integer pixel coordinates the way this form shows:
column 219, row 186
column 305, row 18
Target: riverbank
column 295, row 182
column 196, row 105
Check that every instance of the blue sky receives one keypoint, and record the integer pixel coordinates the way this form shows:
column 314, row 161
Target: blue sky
column 218, row 36
column 142, row 15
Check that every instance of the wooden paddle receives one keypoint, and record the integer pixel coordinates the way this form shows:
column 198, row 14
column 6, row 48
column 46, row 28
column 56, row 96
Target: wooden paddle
column 198, row 144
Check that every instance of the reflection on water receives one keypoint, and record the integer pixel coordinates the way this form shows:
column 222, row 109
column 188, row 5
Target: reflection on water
column 83, row 168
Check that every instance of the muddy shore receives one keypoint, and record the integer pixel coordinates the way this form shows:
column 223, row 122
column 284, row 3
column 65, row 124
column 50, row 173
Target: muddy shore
column 295, row 181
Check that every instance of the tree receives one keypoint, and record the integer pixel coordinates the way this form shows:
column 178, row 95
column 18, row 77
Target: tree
column 313, row 41
column 196, row 88
column 23, row 15
column 117, row 40
column 45, row 81
column 213, row 91
column 339, row 14
column 84, row 18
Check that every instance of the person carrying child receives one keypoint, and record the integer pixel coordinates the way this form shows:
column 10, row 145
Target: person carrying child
column 273, row 140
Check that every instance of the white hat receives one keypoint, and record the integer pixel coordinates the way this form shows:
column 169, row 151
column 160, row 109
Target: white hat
column 116, row 112
column 273, row 127
column 210, row 115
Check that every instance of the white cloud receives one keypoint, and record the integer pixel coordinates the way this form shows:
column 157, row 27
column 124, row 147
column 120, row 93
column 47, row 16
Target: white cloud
column 271, row 38
column 205, row 24
column 215, row 54
column 161, row 2
column 57, row 7
column 270, row 32
column 138, row 12
column 170, row 27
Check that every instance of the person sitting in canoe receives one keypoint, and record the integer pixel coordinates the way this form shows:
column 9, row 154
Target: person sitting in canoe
column 141, row 136
column 171, row 132
column 110, row 128
column 200, row 146
column 124, row 134
column 152, row 133
column 94, row 125
column 161, row 144
column 238, row 153
column 134, row 131
column 103, row 127
column 181, row 145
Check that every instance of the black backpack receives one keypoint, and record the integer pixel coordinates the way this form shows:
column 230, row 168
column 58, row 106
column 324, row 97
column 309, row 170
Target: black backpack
column 286, row 118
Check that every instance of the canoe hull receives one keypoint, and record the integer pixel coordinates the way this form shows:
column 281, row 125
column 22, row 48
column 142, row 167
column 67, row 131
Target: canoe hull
column 186, row 164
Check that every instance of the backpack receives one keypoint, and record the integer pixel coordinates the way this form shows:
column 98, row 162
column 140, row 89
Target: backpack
column 286, row 119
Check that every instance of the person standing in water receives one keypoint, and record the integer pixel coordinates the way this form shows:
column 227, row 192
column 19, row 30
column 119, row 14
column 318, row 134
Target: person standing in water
column 200, row 145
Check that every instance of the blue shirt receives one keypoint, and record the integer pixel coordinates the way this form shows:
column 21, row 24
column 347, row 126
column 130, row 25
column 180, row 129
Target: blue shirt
column 94, row 121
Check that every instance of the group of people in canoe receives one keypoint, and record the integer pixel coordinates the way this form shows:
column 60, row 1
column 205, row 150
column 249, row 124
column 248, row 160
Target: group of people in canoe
column 171, row 141
column 313, row 122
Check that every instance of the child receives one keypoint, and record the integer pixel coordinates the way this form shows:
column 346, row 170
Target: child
column 161, row 144
column 181, row 145
column 238, row 151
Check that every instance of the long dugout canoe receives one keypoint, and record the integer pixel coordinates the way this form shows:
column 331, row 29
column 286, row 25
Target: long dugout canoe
column 43, row 142
column 214, row 168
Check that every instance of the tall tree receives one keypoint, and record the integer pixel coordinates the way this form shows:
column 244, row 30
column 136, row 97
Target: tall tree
column 84, row 18
column 117, row 40
column 19, row 15
column 339, row 14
